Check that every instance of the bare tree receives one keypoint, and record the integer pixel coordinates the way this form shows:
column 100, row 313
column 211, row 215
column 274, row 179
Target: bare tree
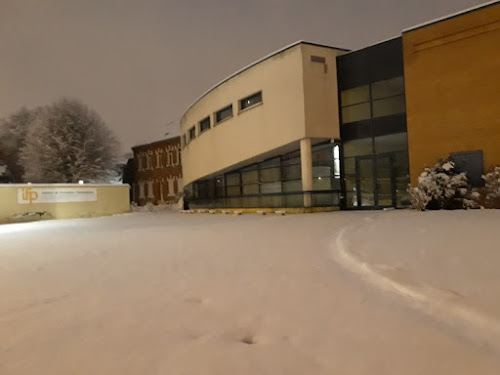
column 68, row 142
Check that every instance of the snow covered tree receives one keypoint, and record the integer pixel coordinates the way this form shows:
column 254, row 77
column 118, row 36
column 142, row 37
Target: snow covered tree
column 441, row 187
column 68, row 142
column 492, row 186
column 13, row 132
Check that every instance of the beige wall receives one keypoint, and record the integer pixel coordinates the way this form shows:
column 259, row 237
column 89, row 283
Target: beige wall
column 284, row 79
column 452, row 71
column 320, row 93
column 111, row 199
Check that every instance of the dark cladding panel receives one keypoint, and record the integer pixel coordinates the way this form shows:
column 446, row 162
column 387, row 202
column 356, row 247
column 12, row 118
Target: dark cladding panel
column 389, row 124
column 353, row 69
column 356, row 130
column 371, row 64
column 386, row 59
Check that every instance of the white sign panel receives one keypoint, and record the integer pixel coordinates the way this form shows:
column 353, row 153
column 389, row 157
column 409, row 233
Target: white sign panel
column 29, row 195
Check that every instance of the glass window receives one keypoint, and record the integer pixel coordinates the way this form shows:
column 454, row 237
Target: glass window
column 292, row 172
column 250, row 177
column 251, row 100
column 204, row 124
column 232, row 179
column 356, row 112
column 219, row 186
column 290, row 186
column 270, row 163
column 184, row 143
column 354, row 96
column 391, row 142
column 349, row 166
column 358, row 147
column 336, row 161
column 321, row 178
column 233, row 191
column 192, row 133
column 270, row 174
column 268, row 188
column 251, row 189
column 224, row 114
column 390, row 106
column 388, row 87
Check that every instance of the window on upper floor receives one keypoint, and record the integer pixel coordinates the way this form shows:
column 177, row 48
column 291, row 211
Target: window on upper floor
column 224, row 114
column 205, row 124
column 183, row 141
column 192, row 133
column 378, row 99
column 251, row 101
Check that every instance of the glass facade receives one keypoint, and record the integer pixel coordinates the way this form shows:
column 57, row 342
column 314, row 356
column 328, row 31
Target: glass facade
column 275, row 182
column 373, row 127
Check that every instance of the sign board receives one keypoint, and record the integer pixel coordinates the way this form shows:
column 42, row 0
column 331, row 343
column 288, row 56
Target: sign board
column 29, row 195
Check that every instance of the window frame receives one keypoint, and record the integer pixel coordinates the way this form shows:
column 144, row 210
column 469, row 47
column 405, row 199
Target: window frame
column 200, row 129
column 240, row 102
column 192, row 129
column 217, row 121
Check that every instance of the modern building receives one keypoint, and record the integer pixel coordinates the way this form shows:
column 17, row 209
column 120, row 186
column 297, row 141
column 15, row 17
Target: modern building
column 157, row 172
column 317, row 127
column 452, row 71
column 265, row 136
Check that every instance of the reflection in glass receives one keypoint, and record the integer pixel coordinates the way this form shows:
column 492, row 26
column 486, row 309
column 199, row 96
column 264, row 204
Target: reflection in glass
column 389, row 106
column 388, row 87
column 356, row 95
column 358, row 147
column 356, row 112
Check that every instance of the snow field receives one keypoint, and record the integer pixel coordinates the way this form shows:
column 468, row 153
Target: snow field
column 165, row 293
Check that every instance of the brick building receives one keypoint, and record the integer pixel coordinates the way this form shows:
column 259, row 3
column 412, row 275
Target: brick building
column 157, row 172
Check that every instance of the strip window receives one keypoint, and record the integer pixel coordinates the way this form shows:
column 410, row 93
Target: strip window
column 192, row 133
column 224, row 114
column 204, row 125
column 251, row 101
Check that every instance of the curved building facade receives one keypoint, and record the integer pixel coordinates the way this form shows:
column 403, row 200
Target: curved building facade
column 265, row 136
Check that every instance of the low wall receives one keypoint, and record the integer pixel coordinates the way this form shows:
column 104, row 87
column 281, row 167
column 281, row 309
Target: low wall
column 24, row 202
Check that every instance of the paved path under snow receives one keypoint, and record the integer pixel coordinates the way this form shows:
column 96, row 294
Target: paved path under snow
column 167, row 293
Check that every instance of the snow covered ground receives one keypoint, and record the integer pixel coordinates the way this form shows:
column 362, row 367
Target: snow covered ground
column 395, row 292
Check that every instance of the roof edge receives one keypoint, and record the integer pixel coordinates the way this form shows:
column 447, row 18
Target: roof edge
column 156, row 142
column 266, row 57
column 452, row 15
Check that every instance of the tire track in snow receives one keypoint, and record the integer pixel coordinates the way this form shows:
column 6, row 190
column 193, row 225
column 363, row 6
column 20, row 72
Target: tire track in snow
column 445, row 306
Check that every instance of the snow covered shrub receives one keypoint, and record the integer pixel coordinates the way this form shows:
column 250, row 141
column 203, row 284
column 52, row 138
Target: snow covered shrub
column 441, row 187
column 492, row 185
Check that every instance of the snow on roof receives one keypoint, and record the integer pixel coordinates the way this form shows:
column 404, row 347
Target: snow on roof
column 436, row 20
column 258, row 62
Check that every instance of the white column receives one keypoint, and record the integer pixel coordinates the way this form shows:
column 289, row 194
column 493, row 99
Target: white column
column 306, row 164
column 170, row 181
column 141, row 190
column 158, row 156
column 160, row 181
column 169, row 157
column 151, row 194
column 140, row 162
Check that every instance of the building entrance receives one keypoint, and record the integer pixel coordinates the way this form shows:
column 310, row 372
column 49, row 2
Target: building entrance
column 375, row 181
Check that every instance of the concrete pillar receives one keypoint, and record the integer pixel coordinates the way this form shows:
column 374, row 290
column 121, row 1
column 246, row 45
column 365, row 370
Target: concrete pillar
column 306, row 164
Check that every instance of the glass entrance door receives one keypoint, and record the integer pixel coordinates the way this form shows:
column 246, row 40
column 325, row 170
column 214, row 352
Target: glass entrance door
column 375, row 181
column 366, row 183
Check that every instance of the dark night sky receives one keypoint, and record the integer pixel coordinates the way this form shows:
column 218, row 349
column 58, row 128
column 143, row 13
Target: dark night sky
column 140, row 64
